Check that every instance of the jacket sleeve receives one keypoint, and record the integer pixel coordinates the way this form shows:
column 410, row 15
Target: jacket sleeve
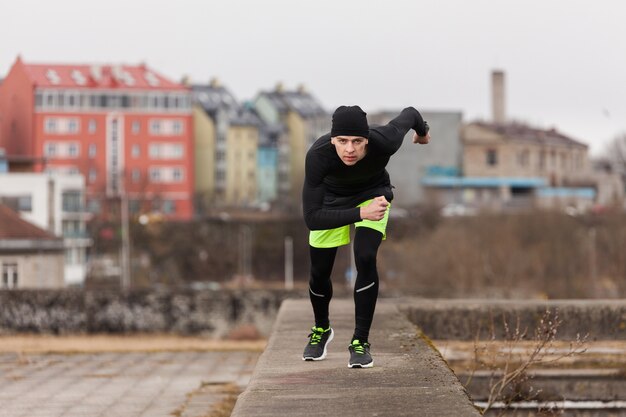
column 313, row 191
column 391, row 135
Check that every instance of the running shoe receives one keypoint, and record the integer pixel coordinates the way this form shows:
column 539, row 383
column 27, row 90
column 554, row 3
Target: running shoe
column 360, row 355
column 319, row 338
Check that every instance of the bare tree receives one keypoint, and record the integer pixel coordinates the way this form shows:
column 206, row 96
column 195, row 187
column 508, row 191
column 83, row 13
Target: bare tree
column 509, row 364
column 615, row 152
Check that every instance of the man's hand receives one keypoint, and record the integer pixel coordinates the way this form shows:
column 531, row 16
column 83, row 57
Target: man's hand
column 422, row 140
column 375, row 210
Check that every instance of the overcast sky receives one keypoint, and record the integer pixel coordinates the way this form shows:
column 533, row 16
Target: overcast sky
column 565, row 60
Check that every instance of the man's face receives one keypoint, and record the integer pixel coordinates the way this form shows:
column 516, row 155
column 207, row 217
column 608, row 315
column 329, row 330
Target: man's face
column 351, row 149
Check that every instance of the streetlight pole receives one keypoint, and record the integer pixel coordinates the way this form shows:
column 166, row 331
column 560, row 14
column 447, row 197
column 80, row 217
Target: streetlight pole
column 288, row 263
column 125, row 241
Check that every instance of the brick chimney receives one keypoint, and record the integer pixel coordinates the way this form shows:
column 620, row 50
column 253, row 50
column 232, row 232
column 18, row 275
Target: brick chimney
column 498, row 97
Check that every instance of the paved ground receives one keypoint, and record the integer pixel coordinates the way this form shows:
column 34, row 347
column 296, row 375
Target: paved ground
column 409, row 377
column 184, row 384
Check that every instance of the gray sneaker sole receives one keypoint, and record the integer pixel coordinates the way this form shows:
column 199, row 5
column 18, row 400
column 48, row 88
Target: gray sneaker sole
column 310, row 358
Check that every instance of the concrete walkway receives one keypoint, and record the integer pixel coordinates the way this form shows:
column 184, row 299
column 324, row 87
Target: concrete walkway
column 184, row 384
column 409, row 377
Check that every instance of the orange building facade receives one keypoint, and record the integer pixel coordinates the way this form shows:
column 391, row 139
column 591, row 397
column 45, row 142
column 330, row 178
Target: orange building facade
column 127, row 129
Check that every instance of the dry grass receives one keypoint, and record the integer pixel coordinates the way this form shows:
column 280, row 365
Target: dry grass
column 227, row 392
column 39, row 344
column 224, row 408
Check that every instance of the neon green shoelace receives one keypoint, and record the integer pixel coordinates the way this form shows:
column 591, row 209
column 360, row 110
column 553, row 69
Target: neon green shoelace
column 358, row 347
column 316, row 335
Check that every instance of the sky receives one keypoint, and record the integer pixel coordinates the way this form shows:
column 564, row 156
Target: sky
column 564, row 60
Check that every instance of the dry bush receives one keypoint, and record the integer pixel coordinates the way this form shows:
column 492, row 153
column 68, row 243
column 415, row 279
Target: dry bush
column 536, row 254
column 509, row 364
column 539, row 254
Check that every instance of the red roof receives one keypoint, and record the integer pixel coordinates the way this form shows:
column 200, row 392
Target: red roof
column 135, row 77
column 12, row 226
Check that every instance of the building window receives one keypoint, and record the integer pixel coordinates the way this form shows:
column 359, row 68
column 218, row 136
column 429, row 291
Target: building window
column 71, row 228
column 492, row 157
column 220, row 155
column 177, row 127
column 155, row 127
column 49, row 99
column 92, row 175
column 177, row 174
column 155, row 175
column 71, row 201
column 72, row 150
column 25, row 203
column 136, row 127
column 51, row 125
column 9, row 275
column 165, row 151
column 72, row 126
column 50, row 149
column 92, row 126
column 92, row 150
column 135, row 151
column 22, row 203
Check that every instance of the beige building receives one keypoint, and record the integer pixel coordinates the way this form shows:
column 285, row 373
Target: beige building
column 226, row 140
column 30, row 257
column 303, row 120
column 521, row 166
column 241, row 156
column 508, row 165
column 516, row 150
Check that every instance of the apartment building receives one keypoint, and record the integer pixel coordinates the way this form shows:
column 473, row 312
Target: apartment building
column 126, row 128
column 299, row 119
column 227, row 143
column 56, row 204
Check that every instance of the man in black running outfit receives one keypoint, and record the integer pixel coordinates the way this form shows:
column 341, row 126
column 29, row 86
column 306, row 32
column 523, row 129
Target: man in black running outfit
column 346, row 183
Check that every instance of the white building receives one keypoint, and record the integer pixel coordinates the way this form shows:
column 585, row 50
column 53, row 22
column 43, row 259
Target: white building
column 55, row 203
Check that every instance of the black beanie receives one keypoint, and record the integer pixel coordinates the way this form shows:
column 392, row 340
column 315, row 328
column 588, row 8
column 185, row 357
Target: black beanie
column 349, row 121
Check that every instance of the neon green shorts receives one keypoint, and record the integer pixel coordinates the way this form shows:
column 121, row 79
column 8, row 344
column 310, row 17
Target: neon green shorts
column 340, row 236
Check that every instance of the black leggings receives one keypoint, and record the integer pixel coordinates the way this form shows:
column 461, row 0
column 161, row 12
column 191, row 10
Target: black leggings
column 366, row 243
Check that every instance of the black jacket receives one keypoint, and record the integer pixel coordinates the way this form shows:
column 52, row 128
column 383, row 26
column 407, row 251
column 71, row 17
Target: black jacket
column 332, row 189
